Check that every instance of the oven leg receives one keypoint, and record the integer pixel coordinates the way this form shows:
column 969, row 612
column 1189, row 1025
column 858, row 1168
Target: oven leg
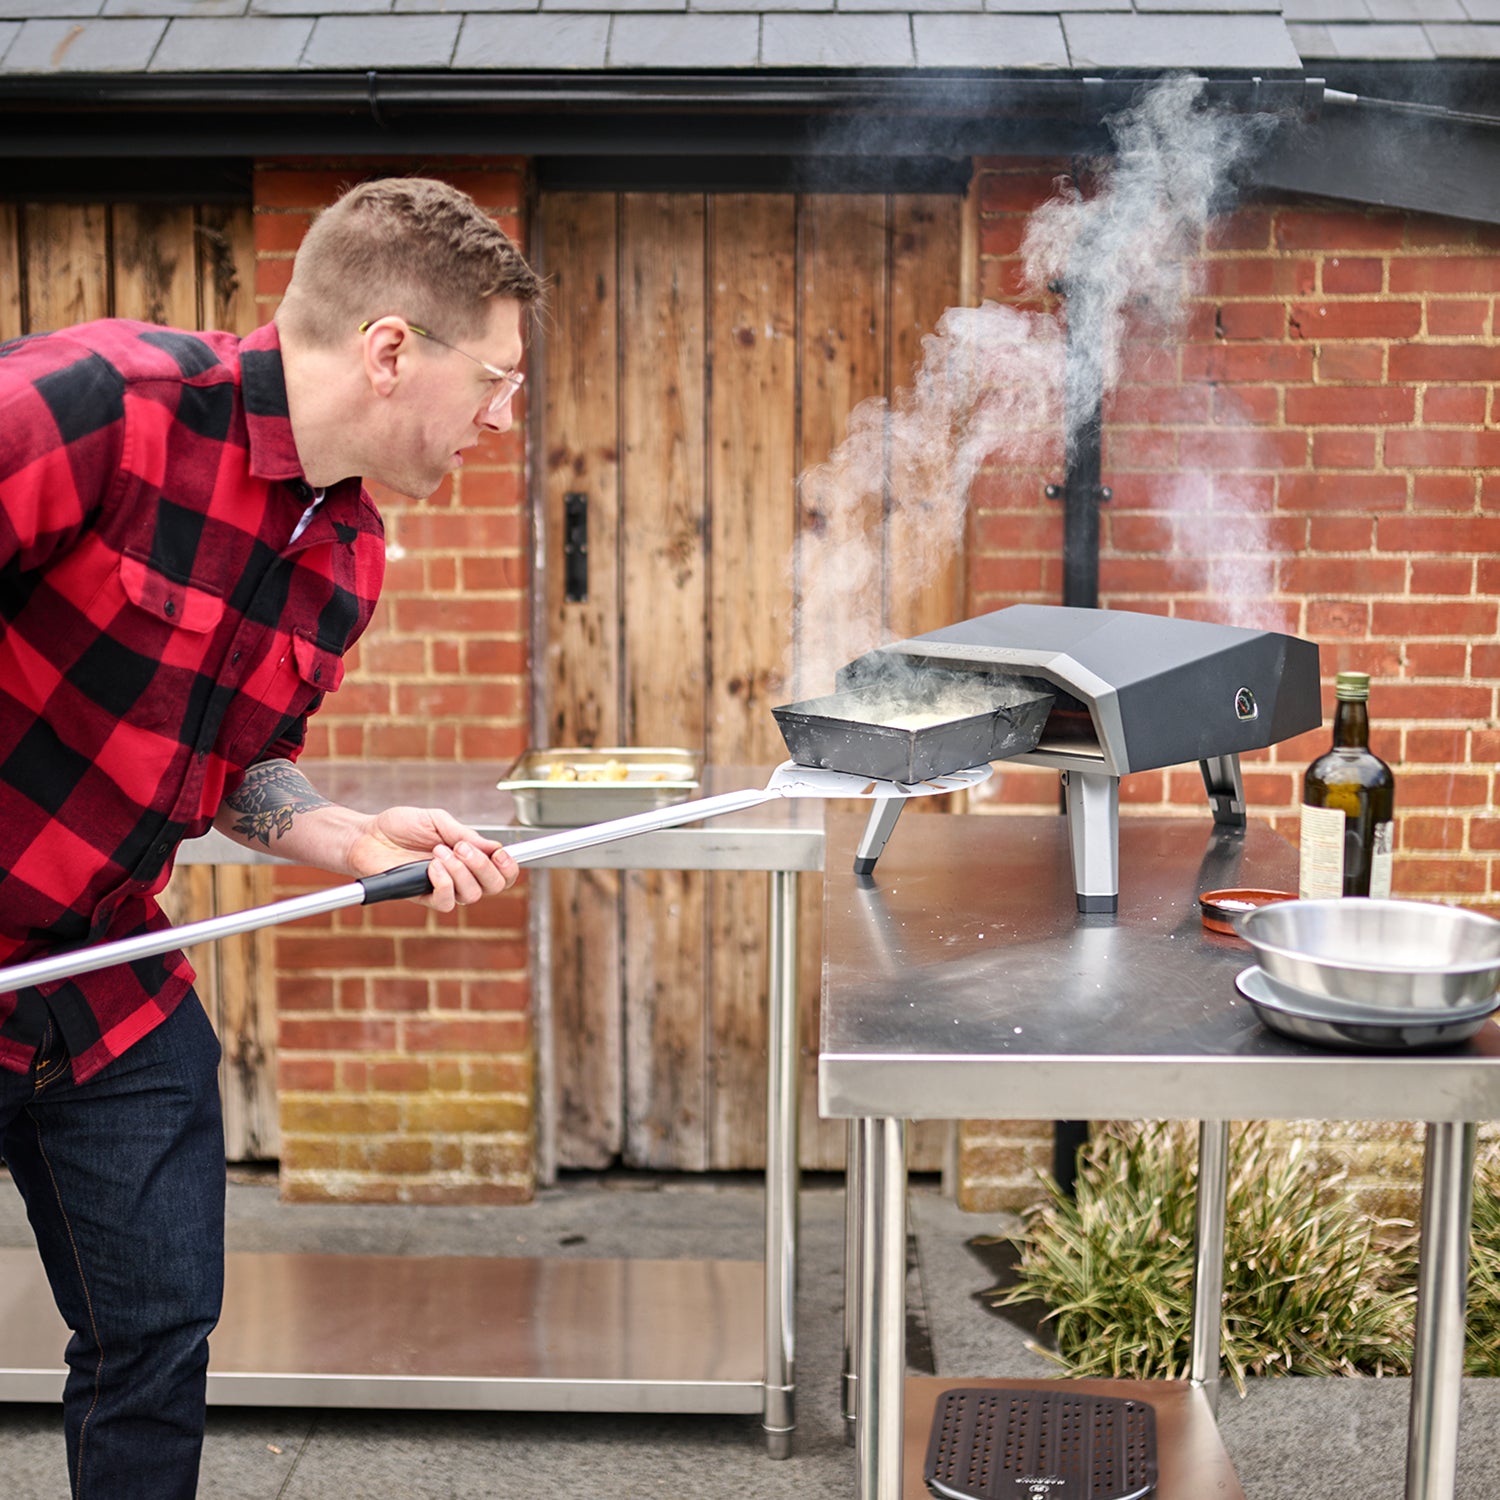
column 1442, row 1294
column 1093, row 803
column 782, row 1177
column 878, row 828
column 882, row 1310
column 1208, row 1258
column 849, row 1389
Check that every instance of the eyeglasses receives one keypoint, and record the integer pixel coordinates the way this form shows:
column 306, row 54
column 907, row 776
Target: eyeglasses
column 510, row 380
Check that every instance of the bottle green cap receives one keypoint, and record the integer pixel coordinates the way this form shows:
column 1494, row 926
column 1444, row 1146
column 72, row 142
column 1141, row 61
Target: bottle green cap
column 1352, row 686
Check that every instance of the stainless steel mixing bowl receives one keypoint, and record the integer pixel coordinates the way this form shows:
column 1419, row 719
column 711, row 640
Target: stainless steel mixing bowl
column 1403, row 955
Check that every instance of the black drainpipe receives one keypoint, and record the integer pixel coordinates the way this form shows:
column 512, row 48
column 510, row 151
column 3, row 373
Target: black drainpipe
column 1081, row 493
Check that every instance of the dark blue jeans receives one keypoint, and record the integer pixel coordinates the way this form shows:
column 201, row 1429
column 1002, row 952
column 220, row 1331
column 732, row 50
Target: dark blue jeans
column 123, row 1178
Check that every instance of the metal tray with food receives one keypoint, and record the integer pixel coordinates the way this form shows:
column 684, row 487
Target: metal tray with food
column 568, row 787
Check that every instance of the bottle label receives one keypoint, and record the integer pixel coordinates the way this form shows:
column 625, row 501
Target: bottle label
column 1380, row 861
column 1321, row 872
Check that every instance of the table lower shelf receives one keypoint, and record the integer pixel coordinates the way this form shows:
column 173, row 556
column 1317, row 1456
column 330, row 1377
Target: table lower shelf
column 457, row 1333
column 1191, row 1460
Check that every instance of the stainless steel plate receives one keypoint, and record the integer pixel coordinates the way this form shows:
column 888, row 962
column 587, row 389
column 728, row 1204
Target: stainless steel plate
column 1344, row 1024
column 571, row 787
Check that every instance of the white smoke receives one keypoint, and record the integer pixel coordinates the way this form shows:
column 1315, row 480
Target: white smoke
column 995, row 384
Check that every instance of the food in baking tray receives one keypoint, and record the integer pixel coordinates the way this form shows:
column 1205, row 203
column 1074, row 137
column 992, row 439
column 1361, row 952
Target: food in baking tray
column 611, row 770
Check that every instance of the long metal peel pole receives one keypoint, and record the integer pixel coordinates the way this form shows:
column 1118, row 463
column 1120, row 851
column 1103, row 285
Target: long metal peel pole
column 149, row 944
column 404, row 880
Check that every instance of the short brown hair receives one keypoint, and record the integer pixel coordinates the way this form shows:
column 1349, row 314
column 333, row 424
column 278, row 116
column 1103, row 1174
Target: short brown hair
column 412, row 246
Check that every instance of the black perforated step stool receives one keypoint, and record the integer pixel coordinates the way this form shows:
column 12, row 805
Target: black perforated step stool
column 1050, row 1444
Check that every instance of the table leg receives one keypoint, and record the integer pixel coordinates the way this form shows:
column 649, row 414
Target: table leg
column 1208, row 1257
column 849, row 1389
column 882, row 1310
column 782, row 1174
column 1442, row 1294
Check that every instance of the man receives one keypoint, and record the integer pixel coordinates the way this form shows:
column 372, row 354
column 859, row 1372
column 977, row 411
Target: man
column 186, row 555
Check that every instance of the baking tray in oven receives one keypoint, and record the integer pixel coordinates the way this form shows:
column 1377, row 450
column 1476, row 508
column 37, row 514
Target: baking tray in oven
column 946, row 722
column 569, row 787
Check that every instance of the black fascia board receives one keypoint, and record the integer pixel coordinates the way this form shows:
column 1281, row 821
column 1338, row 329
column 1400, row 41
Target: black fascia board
column 938, row 114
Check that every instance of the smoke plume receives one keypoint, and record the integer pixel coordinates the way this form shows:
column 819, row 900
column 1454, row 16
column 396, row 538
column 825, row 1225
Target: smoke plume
column 995, row 385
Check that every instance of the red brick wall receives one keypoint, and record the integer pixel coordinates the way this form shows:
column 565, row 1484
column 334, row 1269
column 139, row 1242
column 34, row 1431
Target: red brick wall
column 1326, row 429
column 1328, row 422
column 405, row 1067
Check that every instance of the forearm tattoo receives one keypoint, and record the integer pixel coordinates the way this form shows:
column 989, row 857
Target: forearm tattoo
column 269, row 797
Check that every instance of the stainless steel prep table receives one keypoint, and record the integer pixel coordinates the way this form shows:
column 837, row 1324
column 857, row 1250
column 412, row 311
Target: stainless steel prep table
column 960, row 983
column 510, row 1333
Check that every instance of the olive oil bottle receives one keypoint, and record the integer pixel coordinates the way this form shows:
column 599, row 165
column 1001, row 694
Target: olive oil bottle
column 1348, row 801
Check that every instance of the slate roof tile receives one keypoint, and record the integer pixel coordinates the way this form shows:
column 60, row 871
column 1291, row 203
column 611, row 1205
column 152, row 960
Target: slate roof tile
column 319, row 8
column 836, row 41
column 535, row 43
column 1204, row 7
column 1464, row 41
column 343, row 42
column 170, row 8
column 1001, row 41
column 696, row 41
column 445, row 6
column 1416, row 10
column 30, row 10
column 95, row 46
column 916, row 7
column 1052, row 7
column 233, row 44
column 1175, row 41
column 1377, row 43
column 622, row 8
column 768, row 5
column 1325, row 10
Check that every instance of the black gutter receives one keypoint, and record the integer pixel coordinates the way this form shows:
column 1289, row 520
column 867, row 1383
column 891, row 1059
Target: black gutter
column 933, row 113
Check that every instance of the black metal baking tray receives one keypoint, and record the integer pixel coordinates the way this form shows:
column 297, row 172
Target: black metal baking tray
column 930, row 724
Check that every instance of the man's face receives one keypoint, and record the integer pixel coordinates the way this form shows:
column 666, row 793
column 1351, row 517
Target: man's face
column 457, row 391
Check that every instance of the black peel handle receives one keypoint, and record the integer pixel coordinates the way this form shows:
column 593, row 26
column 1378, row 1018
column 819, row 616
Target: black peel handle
column 390, row 885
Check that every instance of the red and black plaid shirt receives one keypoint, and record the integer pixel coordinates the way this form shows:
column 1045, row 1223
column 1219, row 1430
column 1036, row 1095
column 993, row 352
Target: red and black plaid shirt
column 159, row 633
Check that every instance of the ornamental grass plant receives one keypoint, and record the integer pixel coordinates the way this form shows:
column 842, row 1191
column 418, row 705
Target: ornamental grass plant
column 1311, row 1285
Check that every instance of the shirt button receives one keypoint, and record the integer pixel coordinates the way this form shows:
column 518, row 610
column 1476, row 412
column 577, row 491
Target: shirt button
column 169, row 609
column 235, row 657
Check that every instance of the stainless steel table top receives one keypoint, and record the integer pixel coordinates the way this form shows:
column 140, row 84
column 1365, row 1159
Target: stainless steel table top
column 786, row 834
column 960, row 982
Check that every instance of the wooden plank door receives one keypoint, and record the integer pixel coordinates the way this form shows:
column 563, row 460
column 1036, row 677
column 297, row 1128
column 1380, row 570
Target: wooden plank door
column 190, row 266
column 705, row 355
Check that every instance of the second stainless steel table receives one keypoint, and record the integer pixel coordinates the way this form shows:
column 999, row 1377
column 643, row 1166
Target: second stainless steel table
column 959, row 982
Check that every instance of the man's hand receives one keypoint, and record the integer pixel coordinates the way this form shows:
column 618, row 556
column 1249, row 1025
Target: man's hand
column 463, row 867
column 276, row 808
